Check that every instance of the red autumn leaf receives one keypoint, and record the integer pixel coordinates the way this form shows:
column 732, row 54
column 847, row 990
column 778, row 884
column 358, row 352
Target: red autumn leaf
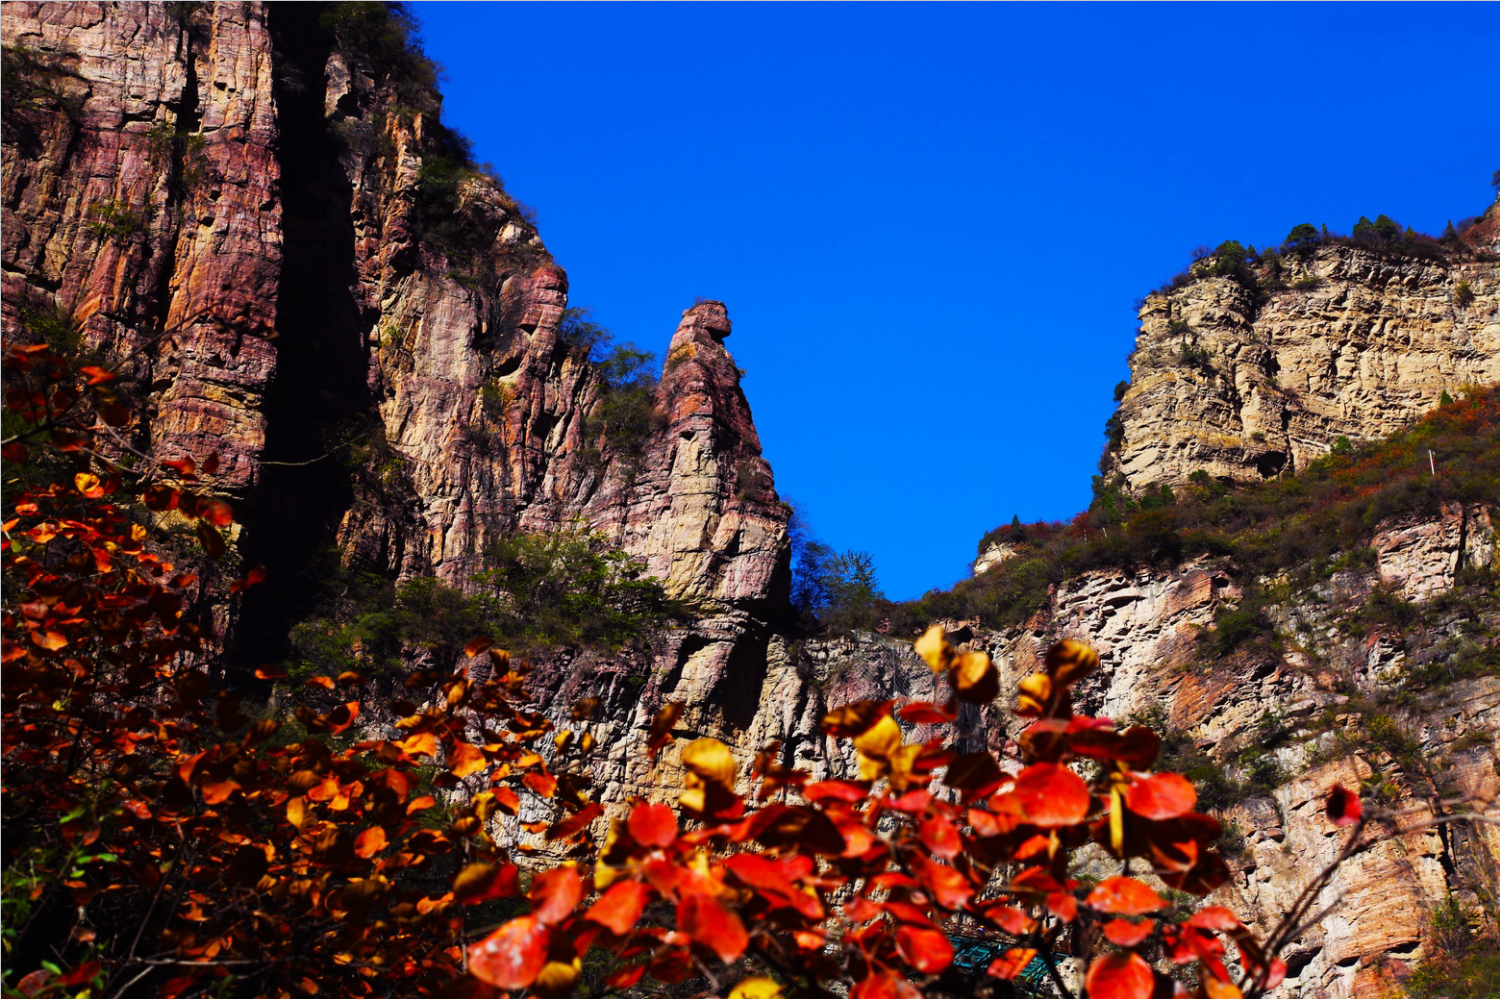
column 480, row 882
column 512, row 956
column 1121, row 975
column 620, row 907
column 555, row 893
column 926, row 713
column 940, row 837
column 653, row 825
column 1161, row 796
column 1127, row 934
column 1214, row 917
column 217, row 512
column 834, row 790
column 703, row 918
column 1010, row 919
column 1063, row 905
column 96, row 375
column 1051, row 795
column 949, row 887
column 1011, row 963
column 508, row 800
column 1124, row 896
column 1343, row 806
column 924, row 948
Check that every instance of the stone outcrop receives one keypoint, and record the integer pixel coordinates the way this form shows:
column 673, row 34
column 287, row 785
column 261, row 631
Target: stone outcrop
column 1246, row 382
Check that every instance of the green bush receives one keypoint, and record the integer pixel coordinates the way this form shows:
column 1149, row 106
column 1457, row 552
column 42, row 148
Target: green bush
column 1462, row 962
column 114, row 221
column 568, row 587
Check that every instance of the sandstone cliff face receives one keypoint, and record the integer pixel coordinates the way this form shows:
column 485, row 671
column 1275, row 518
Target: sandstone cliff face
column 1246, row 384
column 231, row 203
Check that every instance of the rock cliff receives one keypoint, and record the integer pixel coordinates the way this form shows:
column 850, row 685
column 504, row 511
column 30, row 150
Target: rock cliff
column 265, row 220
column 1252, row 378
column 259, row 212
column 1267, row 730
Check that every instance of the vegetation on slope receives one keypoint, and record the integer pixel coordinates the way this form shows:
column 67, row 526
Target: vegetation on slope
column 1302, row 524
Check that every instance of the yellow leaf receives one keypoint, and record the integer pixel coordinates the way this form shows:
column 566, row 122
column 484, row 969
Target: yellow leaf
column 934, row 648
column 1036, row 691
column 759, row 987
column 557, row 978
column 296, row 811
column 881, row 740
column 88, row 484
column 902, row 760
column 711, row 760
column 1069, row 661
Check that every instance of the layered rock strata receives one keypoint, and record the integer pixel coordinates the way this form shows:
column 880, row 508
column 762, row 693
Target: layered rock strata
column 1247, row 383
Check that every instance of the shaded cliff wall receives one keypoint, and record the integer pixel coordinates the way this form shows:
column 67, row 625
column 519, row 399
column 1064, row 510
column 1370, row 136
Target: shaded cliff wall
column 236, row 205
column 1247, row 382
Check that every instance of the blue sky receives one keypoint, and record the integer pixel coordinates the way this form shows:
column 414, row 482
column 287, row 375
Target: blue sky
column 930, row 221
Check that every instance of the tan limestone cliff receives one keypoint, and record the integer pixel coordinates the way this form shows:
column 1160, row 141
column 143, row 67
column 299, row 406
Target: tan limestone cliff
column 1245, row 383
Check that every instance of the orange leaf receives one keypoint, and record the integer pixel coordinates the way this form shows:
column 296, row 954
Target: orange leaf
column 1012, row 963
column 653, row 825
column 975, row 678
column 555, row 894
column 1161, row 796
column 1051, row 795
column 924, row 948
column 217, row 792
column 49, row 640
column 478, row 645
column 1214, row 917
column 1121, row 975
column 620, row 907
column 1126, row 934
column 541, row 782
column 465, row 760
column 703, row 918
column 512, row 956
column 421, row 744
column 661, row 726
column 370, row 842
column 1124, row 896
column 1343, row 806
column 88, row 484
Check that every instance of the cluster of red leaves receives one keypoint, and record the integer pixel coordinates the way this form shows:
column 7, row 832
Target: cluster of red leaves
column 911, row 860
column 170, row 840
